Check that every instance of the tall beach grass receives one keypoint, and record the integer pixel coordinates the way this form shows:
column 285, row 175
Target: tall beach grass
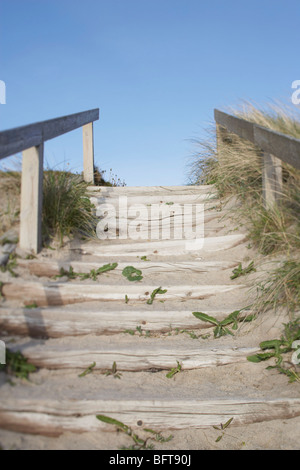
column 234, row 166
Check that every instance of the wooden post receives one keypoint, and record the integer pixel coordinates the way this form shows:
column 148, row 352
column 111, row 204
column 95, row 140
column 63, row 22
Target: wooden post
column 32, row 199
column 272, row 179
column 88, row 153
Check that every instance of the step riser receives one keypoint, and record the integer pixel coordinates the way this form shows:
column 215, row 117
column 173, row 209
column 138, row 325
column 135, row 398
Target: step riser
column 69, row 293
column 52, row 268
column 160, row 416
column 142, row 359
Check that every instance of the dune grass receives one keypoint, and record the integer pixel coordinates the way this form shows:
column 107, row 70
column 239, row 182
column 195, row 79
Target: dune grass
column 66, row 208
column 234, row 166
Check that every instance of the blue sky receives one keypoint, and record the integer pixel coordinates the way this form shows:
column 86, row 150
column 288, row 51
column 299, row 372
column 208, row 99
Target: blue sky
column 155, row 68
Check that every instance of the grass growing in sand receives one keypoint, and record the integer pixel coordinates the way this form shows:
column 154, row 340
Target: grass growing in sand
column 234, row 166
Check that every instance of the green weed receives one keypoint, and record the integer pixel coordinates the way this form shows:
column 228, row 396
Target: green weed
column 174, row 371
column 157, row 291
column 87, row 371
column 132, row 274
column 221, row 327
column 277, row 347
column 17, row 365
column 138, row 442
column 239, row 271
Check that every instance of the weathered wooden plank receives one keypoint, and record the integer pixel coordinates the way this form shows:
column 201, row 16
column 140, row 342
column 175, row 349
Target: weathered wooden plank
column 284, row 147
column 162, row 247
column 280, row 145
column 21, row 138
column 60, row 322
column 53, row 417
column 67, row 293
column 32, row 199
column 112, row 191
column 52, row 268
column 170, row 201
column 131, row 355
column 241, row 127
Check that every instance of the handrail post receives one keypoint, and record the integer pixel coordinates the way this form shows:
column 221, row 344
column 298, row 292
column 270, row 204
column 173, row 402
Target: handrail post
column 32, row 199
column 271, row 180
column 88, row 153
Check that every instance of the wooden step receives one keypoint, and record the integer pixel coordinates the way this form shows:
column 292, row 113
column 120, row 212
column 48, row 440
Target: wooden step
column 131, row 353
column 157, row 199
column 58, row 322
column 162, row 247
column 150, row 190
column 59, row 405
column 54, row 293
column 42, row 267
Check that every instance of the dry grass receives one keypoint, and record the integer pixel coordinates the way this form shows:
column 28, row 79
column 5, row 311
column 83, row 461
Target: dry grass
column 235, row 167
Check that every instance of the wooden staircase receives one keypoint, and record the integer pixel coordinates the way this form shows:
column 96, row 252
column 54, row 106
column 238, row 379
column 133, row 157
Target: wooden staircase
column 78, row 322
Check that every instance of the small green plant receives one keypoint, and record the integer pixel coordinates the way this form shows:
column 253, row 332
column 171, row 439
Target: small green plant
column 222, row 428
column 221, row 328
column 138, row 442
column 239, row 271
column 144, row 258
column 138, row 329
column 33, row 305
column 277, row 347
column 132, row 274
column 113, row 372
column 159, row 290
column 17, row 365
column 174, row 371
column 10, row 265
column 87, row 371
column 93, row 274
column 126, row 299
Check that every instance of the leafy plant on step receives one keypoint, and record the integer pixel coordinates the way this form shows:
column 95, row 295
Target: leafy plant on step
column 139, row 330
column 10, row 265
column 126, row 299
column 157, row 291
column 277, row 347
column 33, row 305
column 222, row 327
column 144, row 258
column 132, row 274
column 222, row 428
column 113, row 372
column 239, row 271
column 87, row 371
column 174, row 371
column 93, row 274
column 138, row 442
column 192, row 334
column 17, row 365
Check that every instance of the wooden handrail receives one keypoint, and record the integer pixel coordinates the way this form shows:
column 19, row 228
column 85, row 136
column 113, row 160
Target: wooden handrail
column 275, row 146
column 30, row 140
column 284, row 147
column 21, row 138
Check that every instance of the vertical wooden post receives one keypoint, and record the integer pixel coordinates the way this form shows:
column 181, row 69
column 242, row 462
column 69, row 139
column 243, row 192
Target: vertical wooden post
column 88, row 153
column 32, row 199
column 271, row 179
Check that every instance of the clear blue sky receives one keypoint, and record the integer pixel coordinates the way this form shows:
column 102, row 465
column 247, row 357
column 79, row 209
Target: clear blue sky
column 155, row 68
